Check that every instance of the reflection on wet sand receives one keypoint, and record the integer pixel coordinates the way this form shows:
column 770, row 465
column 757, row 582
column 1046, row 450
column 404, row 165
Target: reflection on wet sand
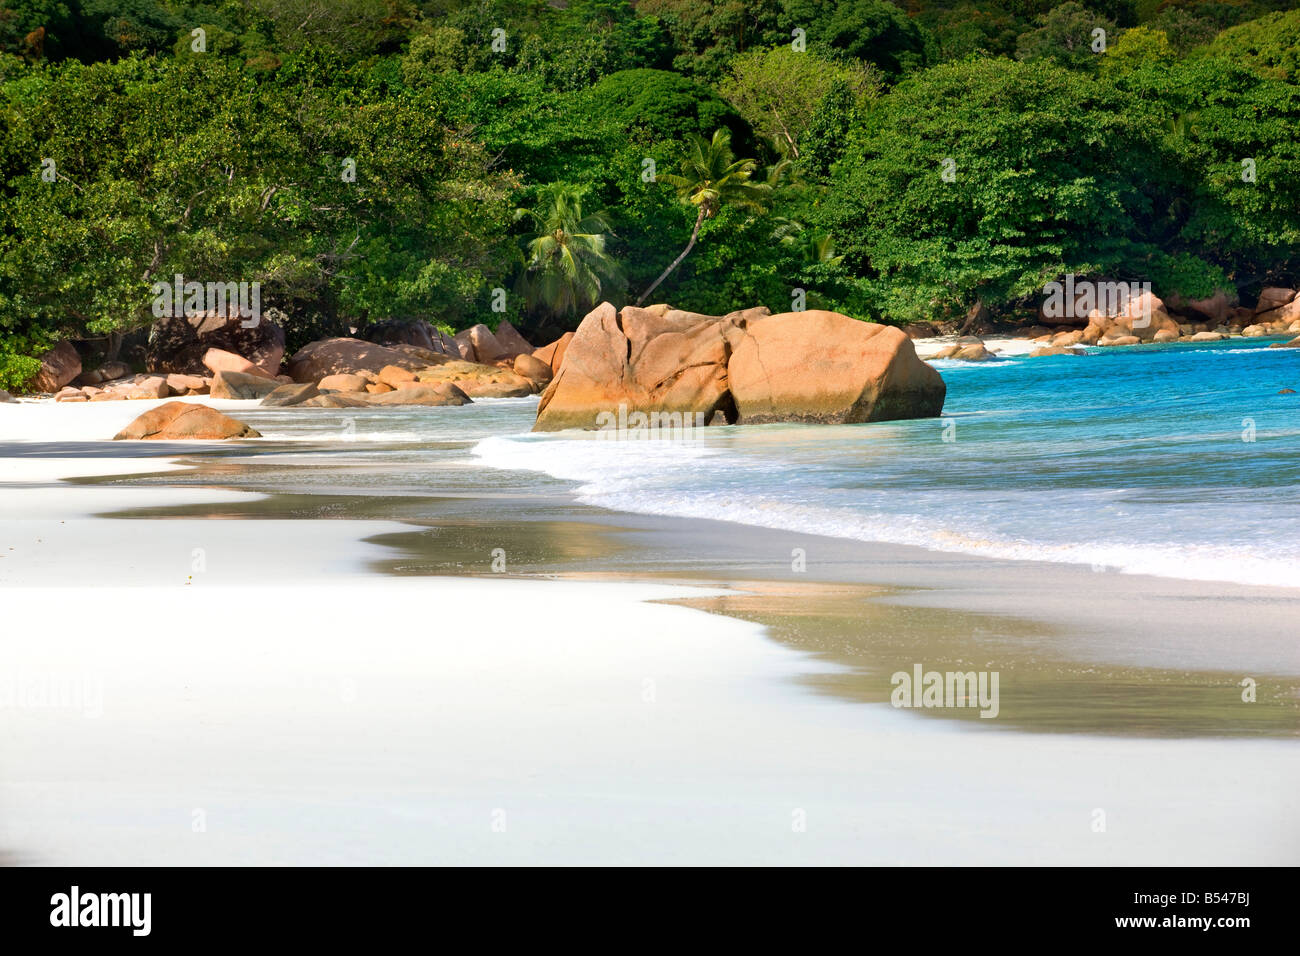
column 854, row 626
column 849, row 625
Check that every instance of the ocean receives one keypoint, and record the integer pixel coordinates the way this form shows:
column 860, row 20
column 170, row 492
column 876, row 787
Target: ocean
column 1181, row 461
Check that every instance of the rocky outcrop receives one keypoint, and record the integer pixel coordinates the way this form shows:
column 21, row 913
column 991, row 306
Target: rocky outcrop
column 744, row 367
column 219, row 360
column 59, row 366
column 178, row 344
column 828, row 368
column 182, row 421
column 1141, row 316
column 1272, row 298
column 239, row 386
column 510, row 342
column 553, row 354
column 419, row 334
column 414, row 393
column 1215, row 309
column 288, row 395
column 1282, row 317
column 478, row 381
column 534, row 369
column 313, row 362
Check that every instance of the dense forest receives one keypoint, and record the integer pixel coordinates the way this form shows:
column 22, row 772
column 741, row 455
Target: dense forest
column 462, row 162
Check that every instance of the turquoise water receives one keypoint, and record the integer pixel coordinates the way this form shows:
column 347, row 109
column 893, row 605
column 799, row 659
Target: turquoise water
column 1180, row 460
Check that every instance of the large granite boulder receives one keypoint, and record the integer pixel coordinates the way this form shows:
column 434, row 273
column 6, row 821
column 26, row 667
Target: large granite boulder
column 183, row 421
column 553, row 354
column 1272, row 298
column 828, row 368
column 510, row 341
column 1215, row 308
column 742, row 368
column 179, row 343
column 315, row 361
column 419, row 334
column 59, row 366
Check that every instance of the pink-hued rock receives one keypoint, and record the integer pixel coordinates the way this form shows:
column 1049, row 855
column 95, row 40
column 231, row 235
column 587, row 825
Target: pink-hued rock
column 1272, row 298
column 443, row 393
column 315, row 361
column 510, row 341
column 1215, row 308
column 181, row 384
column 553, row 354
column 395, row 377
column 242, row 386
column 343, row 382
column 484, row 348
column 150, row 388
column 182, row 421
column 59, row 366
column 533, row 369
column 744, row 367
column 219, row 360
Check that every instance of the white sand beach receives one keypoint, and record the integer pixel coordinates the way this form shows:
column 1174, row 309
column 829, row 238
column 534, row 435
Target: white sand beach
column 184, row 690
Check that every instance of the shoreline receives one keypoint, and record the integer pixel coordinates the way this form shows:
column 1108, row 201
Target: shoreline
column 348, row 681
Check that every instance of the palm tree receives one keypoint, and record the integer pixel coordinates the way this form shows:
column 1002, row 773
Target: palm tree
column 712, row 177
column 566, row 266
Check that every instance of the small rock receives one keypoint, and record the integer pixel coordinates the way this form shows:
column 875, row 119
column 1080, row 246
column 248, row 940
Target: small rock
column 180, row 384
column 973, row 353
column 290, row 394
column 441, row 394
column 342, row 382
column 334, row 400
column 395, row 377
column 182, row 421
column 533, row 369
column 112, row 370
column 238, row 385
column 1054, row 350
column 59, row 366
column 219, row 360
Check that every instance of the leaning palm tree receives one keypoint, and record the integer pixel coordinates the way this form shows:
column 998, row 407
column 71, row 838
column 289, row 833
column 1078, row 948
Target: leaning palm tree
column 712, row 177
column 566, row 266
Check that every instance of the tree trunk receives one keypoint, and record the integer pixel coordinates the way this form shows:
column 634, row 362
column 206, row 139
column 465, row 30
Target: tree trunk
column 676, row 262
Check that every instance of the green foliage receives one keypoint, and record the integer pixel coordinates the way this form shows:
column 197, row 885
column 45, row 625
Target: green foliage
column 872, row 31
column 1066, row 36
column 710, row 177
column 650, row 106
column 781, row 93
column 231, row 163
column 567, row 269
column 1034, row 191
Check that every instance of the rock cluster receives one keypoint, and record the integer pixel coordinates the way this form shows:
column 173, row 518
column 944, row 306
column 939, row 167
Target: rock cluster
column 745, row 367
